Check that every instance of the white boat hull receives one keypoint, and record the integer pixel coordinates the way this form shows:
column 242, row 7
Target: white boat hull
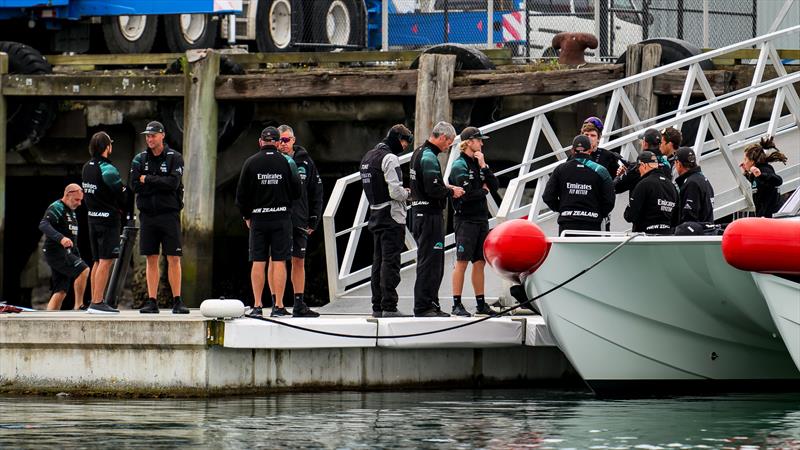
column 661, row 314
column 783, row 299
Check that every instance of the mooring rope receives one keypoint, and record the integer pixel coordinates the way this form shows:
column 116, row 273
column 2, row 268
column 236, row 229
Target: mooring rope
column 462, row 325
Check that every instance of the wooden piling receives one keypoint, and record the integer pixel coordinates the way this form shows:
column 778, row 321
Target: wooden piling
column 641, row 58
column 3, row 137
column 200, row 158
column 434, row 80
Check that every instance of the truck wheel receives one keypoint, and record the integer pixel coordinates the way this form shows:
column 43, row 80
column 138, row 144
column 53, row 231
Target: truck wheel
column 28, row 120
column 232, row 119
column 465, row 112
column 190, row 31
column 279, row 24
column 130, row 34
column 339, row 22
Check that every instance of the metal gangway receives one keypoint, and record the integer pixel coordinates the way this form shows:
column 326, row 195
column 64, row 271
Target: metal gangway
column 727, row 118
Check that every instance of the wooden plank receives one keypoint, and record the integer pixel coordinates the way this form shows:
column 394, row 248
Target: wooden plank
column 94, row 85
column 317, row 84
column 671, row 83
column 469, row 85
column 645, row 102
column 499, row 56
column 752, row 53
column 435, row 78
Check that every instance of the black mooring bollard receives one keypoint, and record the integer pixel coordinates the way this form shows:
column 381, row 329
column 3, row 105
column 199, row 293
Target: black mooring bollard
column 120, row 270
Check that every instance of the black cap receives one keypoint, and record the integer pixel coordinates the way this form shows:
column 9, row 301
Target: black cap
column 686, row 156
column 647, row 157
column 651, row 136
column 581, row 143
column 153, row 128
column 472, row 133
column 270, row 134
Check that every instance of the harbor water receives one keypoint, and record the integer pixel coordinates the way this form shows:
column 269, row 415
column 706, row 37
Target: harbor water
column 520, row 418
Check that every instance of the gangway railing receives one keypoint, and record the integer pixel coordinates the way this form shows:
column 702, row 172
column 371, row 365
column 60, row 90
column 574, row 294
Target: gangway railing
column 522, row 197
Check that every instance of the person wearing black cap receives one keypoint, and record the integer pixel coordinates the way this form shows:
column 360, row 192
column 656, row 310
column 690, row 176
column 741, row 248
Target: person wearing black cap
column 429, row 195
column 695, row 193
column 471, row 217
column 382, row 181
column 580, row 190
column 653, row 201
column 626, row 179
column 156, row 179
column 268, row 184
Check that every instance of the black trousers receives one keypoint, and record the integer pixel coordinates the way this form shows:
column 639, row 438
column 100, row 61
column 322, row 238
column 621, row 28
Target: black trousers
column 577, row 225
column 428, row 230
column 388, row 238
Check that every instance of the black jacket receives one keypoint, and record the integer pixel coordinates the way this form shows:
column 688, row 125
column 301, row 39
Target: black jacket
column 428, row 191
column 580, row 190
column 653, row 207
column 106, row 196
column 58, row 222
column 607, row 159
column 696, row 197
column 765, row 190
column 628, row 180
column 307, row 209
column 467, row 173
column 268, row 184
column 162, row 190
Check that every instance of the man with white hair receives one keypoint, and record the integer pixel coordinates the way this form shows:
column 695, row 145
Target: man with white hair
column 429, row 195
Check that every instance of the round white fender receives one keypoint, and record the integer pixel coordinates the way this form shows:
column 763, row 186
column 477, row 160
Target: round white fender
column 221, row 308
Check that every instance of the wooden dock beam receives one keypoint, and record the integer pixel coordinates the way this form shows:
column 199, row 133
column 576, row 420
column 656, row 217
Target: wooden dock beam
column 200, row 157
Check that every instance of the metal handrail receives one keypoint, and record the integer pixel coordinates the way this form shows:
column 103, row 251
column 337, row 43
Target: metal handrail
column 709, row 112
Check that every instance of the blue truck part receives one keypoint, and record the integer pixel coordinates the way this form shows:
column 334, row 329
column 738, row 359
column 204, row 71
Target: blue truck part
column 79, row 9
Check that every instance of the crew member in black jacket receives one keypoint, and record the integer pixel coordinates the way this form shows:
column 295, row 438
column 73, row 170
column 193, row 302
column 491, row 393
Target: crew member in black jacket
column 759, row 172
column 382, row 181
column 306, row 211
column 268, row 184
column 429, row 196
column 156, row 178
column 580, row 190
column 471, row 217
column 106, row 199
column 626, row 180
column 60, row 227
column 695, row 193
column 653, row 207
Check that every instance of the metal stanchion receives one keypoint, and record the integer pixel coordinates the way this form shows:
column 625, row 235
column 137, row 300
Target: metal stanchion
column 120, row 271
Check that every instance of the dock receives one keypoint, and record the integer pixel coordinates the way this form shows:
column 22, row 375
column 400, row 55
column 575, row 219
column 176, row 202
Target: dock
column 131, row 354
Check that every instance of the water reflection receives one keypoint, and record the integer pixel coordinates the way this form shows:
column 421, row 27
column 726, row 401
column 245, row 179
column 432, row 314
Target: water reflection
column 413, row 419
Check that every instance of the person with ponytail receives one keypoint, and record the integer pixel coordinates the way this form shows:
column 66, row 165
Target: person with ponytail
column 758, row 171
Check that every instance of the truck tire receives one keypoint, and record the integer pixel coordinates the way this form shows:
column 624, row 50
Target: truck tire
column 279, row 24
column 130, row 34
column 232, row 119
column 339, row 22
column 190, row 31
column 476, row 112
column 28, row 120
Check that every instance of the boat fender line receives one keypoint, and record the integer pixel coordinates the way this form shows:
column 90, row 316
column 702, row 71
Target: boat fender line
column 461, row 325
column 222, row 308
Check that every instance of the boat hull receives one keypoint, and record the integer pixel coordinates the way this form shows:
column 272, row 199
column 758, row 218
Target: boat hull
column 783, row 298
column 662, row 312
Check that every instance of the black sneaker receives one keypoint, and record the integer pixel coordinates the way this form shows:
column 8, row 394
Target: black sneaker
column 150, row 307
column 304, row 311
column 394, row 313
column 485, row 310
column 433, row 312
column 459, row 310
column 256, row 311
column 178, row 307
column 377, row 313
column 101, row 308
column 84, row 307
column 279, row 312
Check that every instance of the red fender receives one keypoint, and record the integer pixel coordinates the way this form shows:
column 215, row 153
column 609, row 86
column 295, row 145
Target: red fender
column 758, row 244
column 516, row 247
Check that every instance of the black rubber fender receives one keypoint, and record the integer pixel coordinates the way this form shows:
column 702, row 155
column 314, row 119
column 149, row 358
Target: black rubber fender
column 233, row 117
column 476, row 112
column 673, row 50
column 28, row 119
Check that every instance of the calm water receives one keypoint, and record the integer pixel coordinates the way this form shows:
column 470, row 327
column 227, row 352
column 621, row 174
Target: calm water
column 430, row 419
